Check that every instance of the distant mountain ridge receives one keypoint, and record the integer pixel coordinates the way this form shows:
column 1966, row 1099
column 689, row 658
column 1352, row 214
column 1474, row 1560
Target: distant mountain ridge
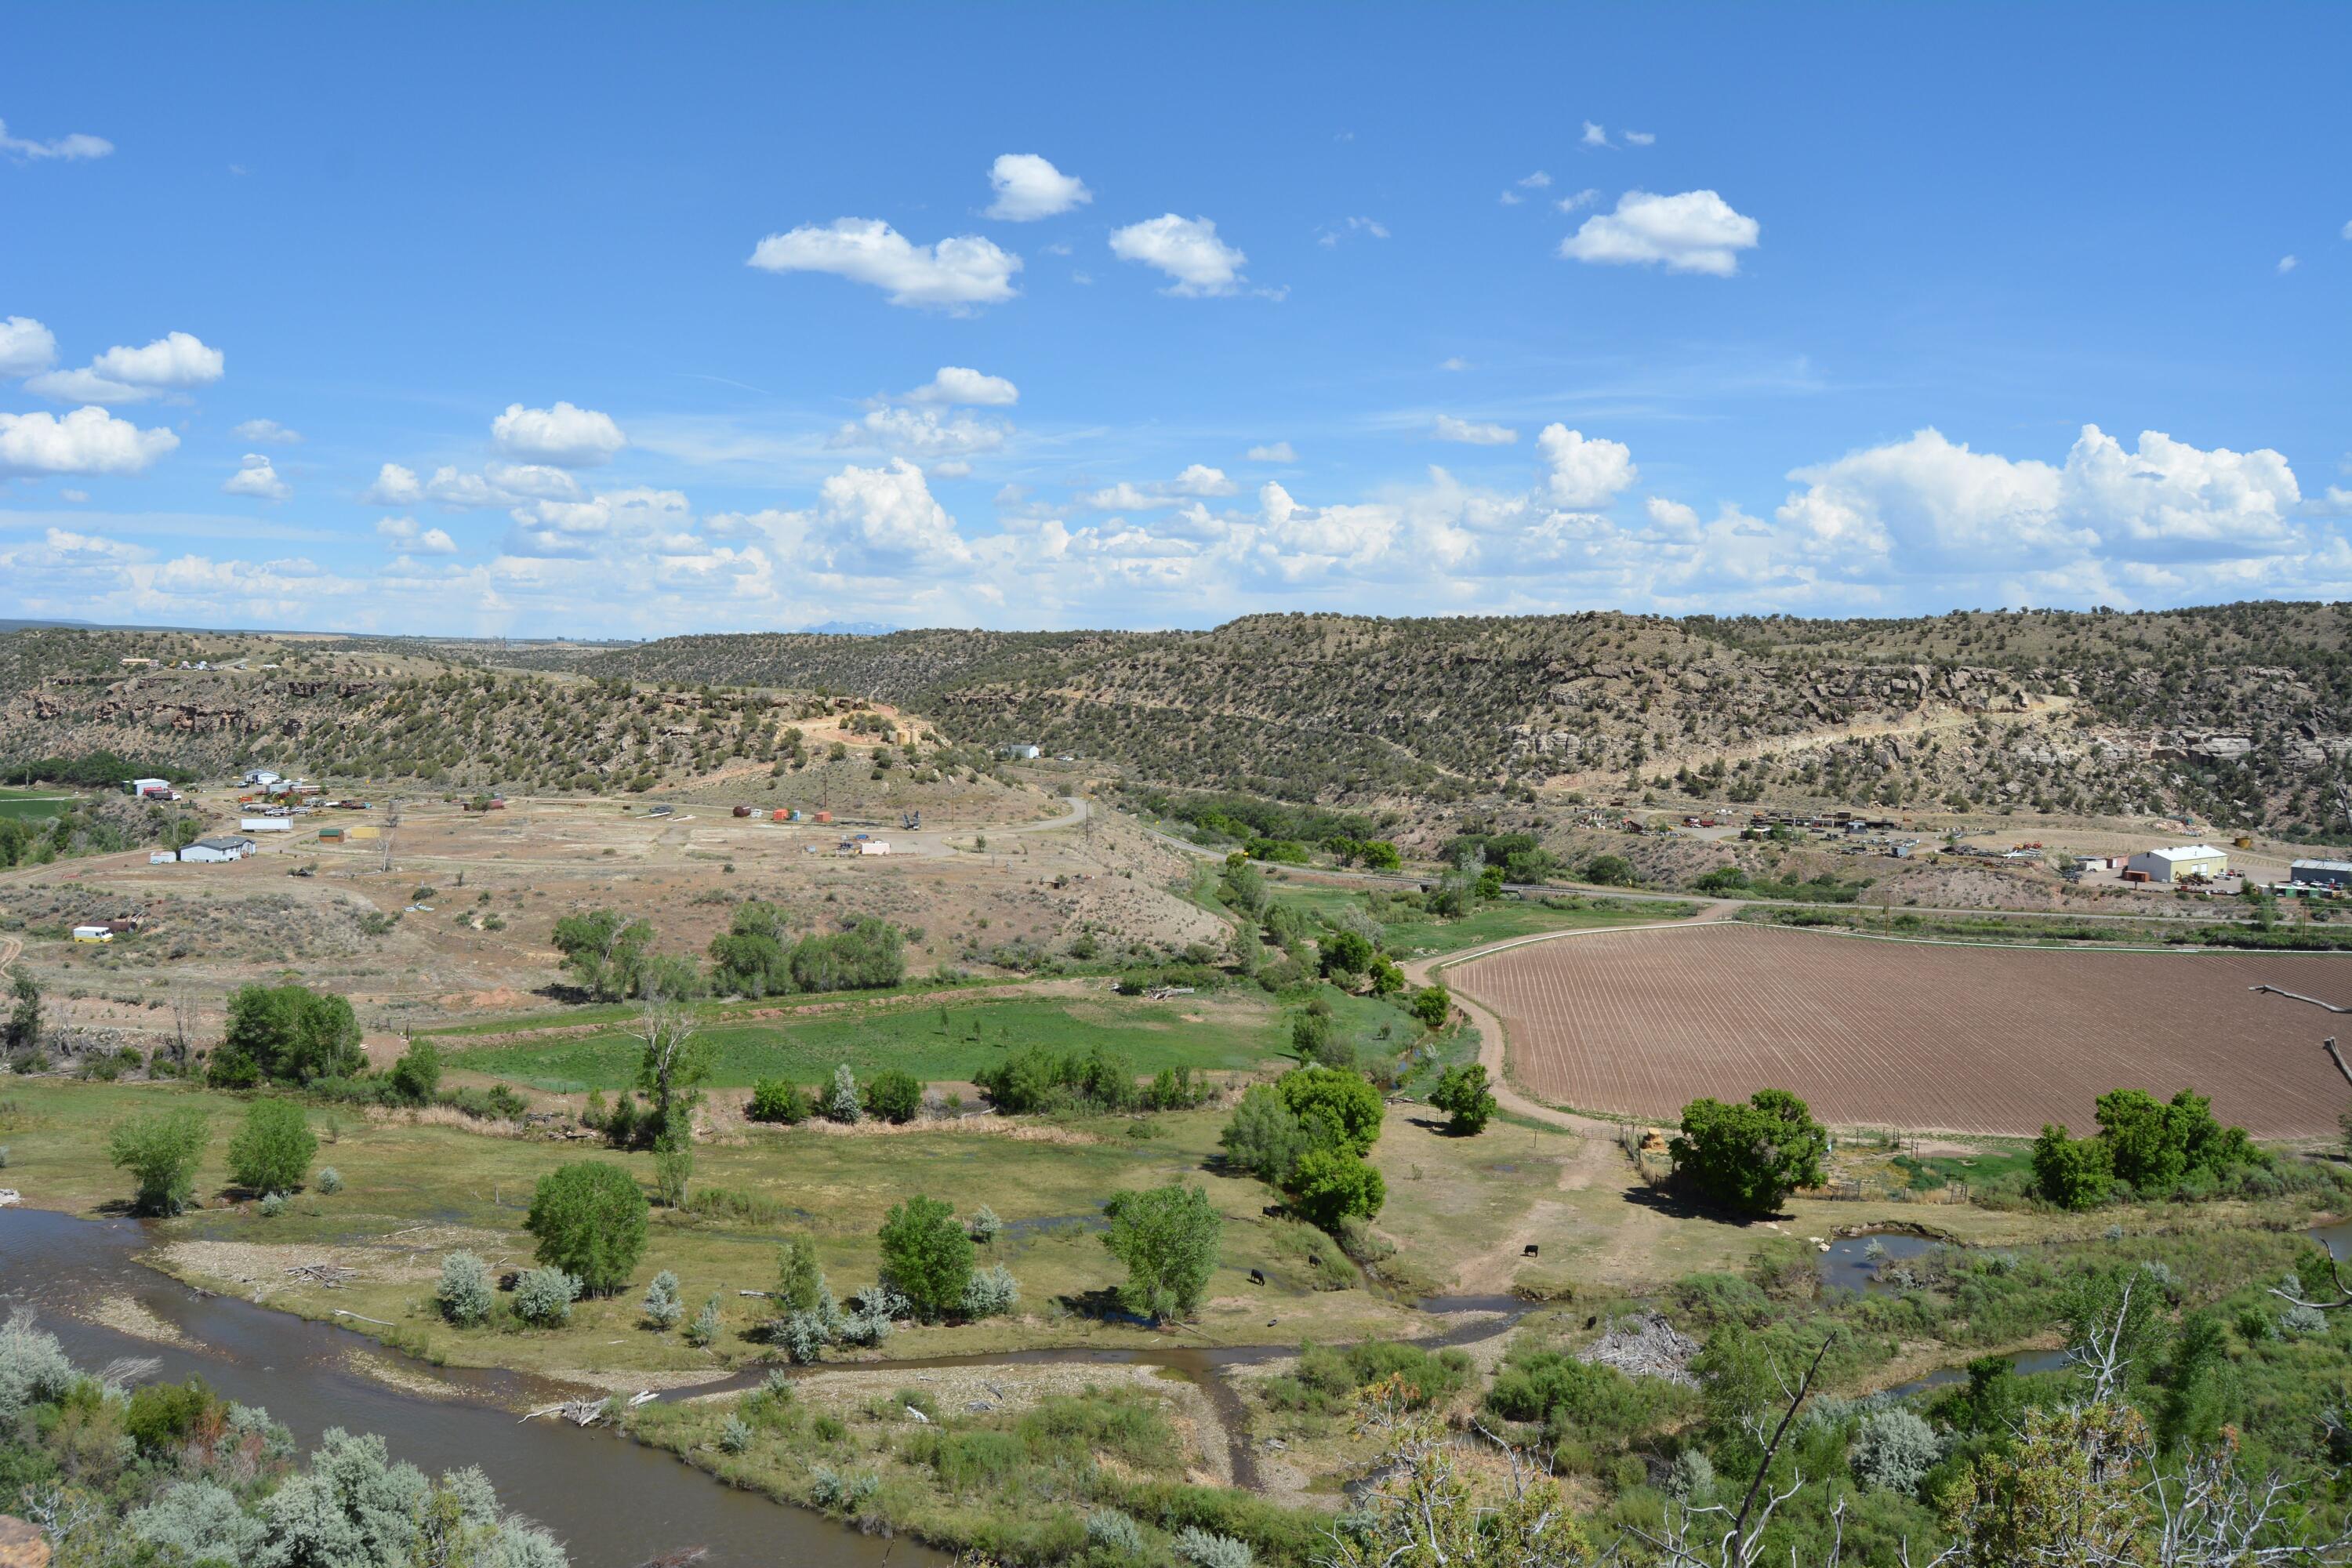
column 2243, row 712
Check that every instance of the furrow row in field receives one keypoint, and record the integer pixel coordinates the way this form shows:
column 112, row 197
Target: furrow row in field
column 1910, row 1035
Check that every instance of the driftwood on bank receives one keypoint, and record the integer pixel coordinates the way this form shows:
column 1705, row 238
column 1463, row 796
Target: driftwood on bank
column 334, row 1276
column 579, row 1412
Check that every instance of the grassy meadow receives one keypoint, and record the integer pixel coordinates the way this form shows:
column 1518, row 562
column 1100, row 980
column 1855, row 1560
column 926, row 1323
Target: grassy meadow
column 1412, row 933
column 946, row 1041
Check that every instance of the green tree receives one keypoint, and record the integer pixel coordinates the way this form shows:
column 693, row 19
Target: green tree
column 605, row 952
column 1751, row 1157
column 1310, row 1034
column 1381, row 855
column 675, row 1057
column 894, row 1096
column 871, row 954
column 588, row 1217
column 415, row 1077
column 2154, row 1145
column 1338, row 1110
column 23, row 1030
column 287, row 1034
column 1611, row 871
column 799, row 1283
column 1344, row 954
column 2072, row 1173
column 1329, row 1185
column 273, row 1150
column 1462, row 1093
column 750, row 958
column 925, row 1255
column 778, row 1100
column 1264, row 1137
column 1168, row 1238
column 1387, row 978
column 161, row 1151
column 1432, row 1005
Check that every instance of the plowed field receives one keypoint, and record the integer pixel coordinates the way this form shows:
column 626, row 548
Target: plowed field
column 1902, row 1035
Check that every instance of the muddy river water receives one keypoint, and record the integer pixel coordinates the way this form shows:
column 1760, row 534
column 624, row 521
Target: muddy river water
column 613, row 1503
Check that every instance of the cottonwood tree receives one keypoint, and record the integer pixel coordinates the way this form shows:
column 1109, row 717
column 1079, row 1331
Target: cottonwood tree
column 676, row 1057
column 604, row 950
column 1168, row 1238
column 589, row 1218
column 925, row 1256
column 161, row 1151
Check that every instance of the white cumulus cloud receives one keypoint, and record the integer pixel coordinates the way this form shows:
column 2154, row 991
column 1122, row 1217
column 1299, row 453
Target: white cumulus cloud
column 1027, row 187
column 1586, row 472
column 1469, row 434
column 1935, row 499
column 1187, row 249
column 890, row 512
column 26, row 347
column 954, row 384
column 71, row 148
column 1641, row 138
column 925, row 432
column 1594, row 136
column 85, row 441
column 394, row 485
column 1272, row 452
column 954, row 275
column 257, row 478
column 268, row 432
column 564, row 436
column 2287, row 264
column 176, row 361
column 402, row 533
column 1696, row 231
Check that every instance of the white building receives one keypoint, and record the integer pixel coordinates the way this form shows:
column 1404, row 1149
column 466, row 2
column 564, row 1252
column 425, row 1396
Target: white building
column 2179, row 863
column 142, row 788
column 226, row 847
column 266, row 824
column 1023, row 753
column 873, row 846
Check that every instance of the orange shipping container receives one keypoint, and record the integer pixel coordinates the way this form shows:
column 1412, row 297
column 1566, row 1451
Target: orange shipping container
column 825, row 816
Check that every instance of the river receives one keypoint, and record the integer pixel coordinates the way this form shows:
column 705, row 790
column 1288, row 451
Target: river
column 613, row 1503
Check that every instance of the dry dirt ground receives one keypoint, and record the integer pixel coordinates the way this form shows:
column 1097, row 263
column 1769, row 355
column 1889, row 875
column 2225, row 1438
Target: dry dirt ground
column 1023, row 869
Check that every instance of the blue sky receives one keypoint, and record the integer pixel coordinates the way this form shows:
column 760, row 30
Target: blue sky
column 602, row 322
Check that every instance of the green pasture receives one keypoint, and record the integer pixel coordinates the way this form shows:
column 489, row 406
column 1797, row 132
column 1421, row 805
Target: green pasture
column 1412, row 934
column 946, row 1040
